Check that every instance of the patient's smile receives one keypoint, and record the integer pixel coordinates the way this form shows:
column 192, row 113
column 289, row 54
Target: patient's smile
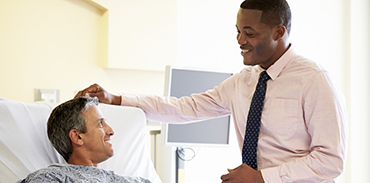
column 108, row 141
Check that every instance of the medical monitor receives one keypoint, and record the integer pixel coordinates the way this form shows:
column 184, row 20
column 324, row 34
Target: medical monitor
column 184, row 82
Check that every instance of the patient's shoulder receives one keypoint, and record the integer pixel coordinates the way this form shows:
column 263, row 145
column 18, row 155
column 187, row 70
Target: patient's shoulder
column 53, row 173
column 49, row 174
column 76, row 173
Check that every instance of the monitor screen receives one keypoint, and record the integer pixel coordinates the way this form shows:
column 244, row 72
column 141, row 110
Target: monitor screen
column 184, row 82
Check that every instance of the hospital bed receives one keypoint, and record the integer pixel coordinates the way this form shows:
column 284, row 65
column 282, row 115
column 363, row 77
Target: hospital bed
column 25, row 147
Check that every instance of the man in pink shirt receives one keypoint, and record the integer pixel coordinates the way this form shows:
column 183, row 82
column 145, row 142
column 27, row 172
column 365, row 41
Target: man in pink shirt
column 303, row 132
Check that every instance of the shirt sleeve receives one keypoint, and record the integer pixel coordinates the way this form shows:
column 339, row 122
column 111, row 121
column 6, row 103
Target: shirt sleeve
column 209, row 104
column 325, row 119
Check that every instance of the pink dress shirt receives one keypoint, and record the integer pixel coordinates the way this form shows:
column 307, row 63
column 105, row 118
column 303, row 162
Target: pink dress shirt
column 303, row 133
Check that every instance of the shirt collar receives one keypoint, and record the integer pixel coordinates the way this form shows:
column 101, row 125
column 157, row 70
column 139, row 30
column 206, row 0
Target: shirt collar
column 275, row 69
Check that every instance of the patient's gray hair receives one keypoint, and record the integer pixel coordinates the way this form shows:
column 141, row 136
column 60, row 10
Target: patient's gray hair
column 64, row 118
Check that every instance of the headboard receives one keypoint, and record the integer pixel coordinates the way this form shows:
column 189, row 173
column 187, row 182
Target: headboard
column 25, row 147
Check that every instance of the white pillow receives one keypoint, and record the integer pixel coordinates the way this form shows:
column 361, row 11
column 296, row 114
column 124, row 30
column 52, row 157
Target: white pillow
column 24, row 145
column 129, row 142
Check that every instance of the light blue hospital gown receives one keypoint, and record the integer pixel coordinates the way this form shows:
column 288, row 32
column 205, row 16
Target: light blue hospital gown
column 73, row 173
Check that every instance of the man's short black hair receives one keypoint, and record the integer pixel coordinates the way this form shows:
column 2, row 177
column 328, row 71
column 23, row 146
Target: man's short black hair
column 275, row 12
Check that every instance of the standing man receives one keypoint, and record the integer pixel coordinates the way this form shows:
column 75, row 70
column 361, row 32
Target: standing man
column 290, row 119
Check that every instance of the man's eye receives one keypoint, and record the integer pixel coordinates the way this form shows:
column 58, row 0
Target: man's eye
column 249, row 35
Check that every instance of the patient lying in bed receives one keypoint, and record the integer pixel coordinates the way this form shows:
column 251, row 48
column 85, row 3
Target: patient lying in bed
column 78, row 131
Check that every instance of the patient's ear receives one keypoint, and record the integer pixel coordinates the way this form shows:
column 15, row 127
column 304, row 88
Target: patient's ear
column 75, row 137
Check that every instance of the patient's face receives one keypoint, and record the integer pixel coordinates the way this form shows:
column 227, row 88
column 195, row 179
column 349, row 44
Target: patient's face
column 97, row 138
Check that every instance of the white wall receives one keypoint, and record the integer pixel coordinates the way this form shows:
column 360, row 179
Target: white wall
column 56, row 44
column 360, row 89
column 142, row 34
column 207, row 35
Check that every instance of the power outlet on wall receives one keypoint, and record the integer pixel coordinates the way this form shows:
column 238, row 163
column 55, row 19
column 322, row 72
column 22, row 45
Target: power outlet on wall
column 47, row 95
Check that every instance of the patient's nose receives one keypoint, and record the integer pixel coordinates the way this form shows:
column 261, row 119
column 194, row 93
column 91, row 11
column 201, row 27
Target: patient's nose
column 109, row 131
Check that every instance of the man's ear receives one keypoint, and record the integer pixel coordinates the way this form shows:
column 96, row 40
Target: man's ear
column 279, row 32
column 75, row 137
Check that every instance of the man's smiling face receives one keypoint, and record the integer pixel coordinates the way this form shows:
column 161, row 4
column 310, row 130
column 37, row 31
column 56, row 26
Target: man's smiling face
column 256, row 39
column 97, row 142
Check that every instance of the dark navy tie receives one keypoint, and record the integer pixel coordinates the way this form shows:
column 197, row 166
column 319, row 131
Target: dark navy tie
column 249, row 153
